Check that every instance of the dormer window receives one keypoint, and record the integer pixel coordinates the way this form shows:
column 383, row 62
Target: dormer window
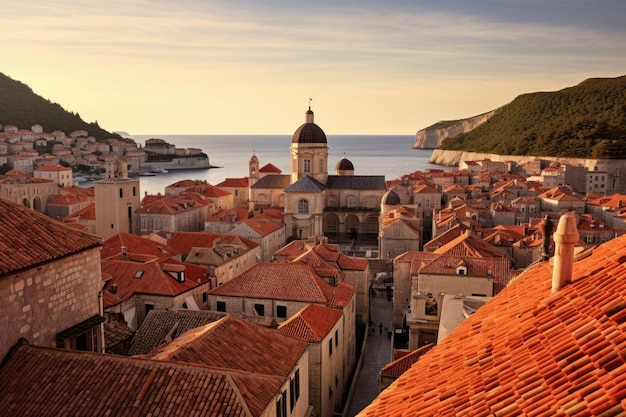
column 461, row 270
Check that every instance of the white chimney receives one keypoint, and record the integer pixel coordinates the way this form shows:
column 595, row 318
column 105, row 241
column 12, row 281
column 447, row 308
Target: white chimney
column 565, row 239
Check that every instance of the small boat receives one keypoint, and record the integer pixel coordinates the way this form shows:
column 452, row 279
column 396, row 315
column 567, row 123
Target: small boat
column 146, row 174
column 159, row 171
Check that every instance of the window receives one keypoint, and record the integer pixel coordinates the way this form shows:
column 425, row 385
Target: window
column 297, row 384
column 303, row 207
column 330, row 347
column 121, row 193
column 294, row 390
column 259, row 309
column 281, row 405
column 204, row 297
column 281, row 312
column 221, row 306
column 149, row 308
column 307, row 165
column 134, row 191
column 336, row 338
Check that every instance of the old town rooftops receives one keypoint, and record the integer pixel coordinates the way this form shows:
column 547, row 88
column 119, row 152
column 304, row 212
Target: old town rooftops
column 30, row 238
column 528, row 351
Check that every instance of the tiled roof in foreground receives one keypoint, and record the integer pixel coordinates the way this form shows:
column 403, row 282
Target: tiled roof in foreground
column 45, row 382
column 528, row 352
column 29, row 238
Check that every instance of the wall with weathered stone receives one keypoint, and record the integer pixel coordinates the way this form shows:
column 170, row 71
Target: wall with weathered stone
column 44, row 300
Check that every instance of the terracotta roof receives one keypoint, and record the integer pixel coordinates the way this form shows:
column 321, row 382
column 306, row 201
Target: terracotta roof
column 221, row 344
column 131, row 277
column 528, row 351
column 87, row 213
column 402, row 364
column 270, row 168
column 312, row 323
column 171, row 205
column 321, row 267
column 234, row 183
column 30, row 238
column 209, row 191
column 46, row 382
column 263, row 224
column 446, row 237
column 468, row 244
column 285, row 281
column 135, row 245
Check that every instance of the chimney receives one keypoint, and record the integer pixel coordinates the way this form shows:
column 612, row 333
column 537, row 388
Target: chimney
column 124, row 251
column 565, row 238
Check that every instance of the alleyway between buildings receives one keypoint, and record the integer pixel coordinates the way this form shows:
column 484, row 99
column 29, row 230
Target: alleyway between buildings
column 377, row 353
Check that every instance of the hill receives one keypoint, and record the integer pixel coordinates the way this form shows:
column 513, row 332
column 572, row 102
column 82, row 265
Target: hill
column 584, row 121
column 21, row 107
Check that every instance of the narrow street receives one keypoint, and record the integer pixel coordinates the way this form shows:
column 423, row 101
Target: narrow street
column 376, row 353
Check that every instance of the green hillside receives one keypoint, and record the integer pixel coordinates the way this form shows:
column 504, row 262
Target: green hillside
column 21, row 107
column 584, row 121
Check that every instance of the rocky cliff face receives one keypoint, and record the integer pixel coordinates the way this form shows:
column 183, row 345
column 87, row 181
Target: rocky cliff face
column 430, row 138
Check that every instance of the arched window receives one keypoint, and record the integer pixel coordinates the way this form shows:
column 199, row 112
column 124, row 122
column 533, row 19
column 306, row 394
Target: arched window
column 303, row 207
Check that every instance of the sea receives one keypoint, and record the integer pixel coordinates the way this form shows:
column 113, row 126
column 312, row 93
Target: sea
column 388, row 155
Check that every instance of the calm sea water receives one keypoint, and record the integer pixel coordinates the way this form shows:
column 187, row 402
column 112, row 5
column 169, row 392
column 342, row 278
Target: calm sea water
column 388, row 155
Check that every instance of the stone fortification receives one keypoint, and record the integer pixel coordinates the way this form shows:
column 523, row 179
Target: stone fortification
column 431, row 138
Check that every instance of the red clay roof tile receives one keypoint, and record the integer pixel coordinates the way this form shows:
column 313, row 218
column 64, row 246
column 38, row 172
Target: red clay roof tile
column 529, row 352
column 30, row 238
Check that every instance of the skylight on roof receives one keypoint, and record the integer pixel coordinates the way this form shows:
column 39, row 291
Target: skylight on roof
column 138, row 274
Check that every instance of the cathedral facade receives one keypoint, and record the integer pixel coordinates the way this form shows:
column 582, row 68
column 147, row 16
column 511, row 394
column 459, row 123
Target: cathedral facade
column 340, row 206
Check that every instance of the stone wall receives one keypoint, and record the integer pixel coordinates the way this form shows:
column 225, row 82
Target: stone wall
column 42, row 301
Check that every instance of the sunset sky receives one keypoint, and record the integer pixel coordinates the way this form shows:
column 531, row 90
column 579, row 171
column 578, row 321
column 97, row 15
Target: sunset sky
column 250, row 66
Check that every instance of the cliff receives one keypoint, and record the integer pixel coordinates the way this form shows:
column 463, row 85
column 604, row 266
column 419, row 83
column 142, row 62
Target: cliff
column 431, row 137
column 616, row 167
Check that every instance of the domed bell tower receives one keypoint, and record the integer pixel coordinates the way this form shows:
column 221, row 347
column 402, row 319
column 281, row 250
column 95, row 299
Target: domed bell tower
column 309, row 151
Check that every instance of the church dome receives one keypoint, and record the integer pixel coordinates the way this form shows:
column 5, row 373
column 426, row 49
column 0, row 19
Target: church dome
column 309, row 132
column 344, row 167
column 391, row 198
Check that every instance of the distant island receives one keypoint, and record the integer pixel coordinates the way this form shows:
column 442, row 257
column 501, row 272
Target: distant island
column 584, row 121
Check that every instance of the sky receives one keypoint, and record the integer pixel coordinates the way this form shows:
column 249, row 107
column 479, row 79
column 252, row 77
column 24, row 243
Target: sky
column 254, row 66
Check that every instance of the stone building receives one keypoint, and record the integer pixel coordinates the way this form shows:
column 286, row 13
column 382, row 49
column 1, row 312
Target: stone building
column 117, row 198
column 339, row 206
column 28, row 191
column 57, row 173
column 50, row 282
column 323, row 329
